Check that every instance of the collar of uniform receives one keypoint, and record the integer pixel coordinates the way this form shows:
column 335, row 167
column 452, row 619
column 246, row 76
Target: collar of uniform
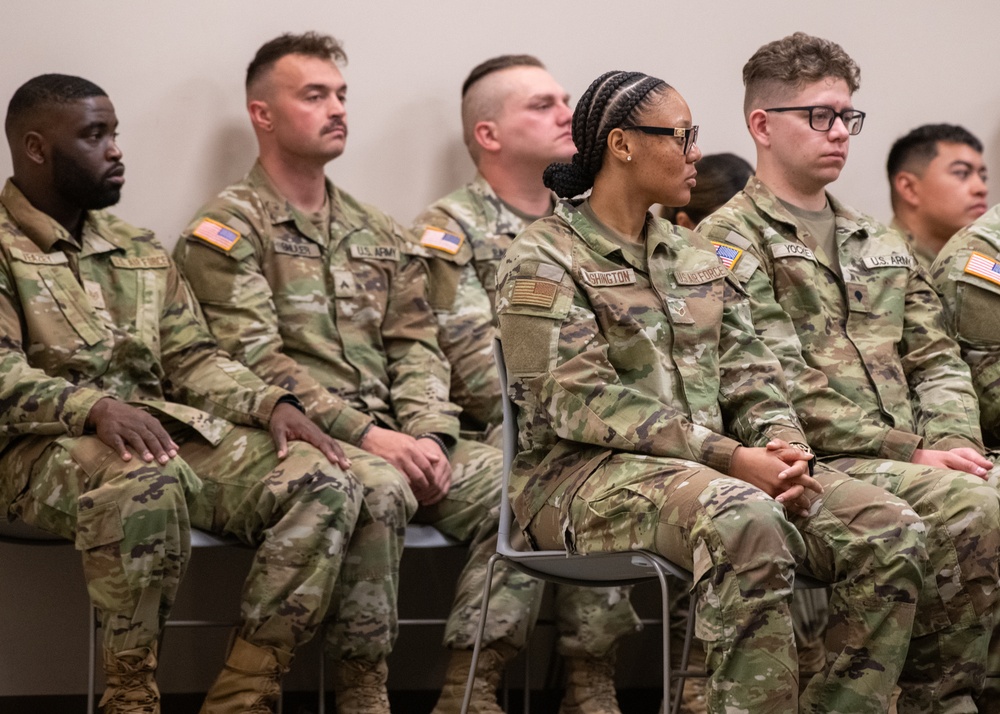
column 848, row 220
column 660, row 232
column 43, row 230
column 279, row 210
column 505, row 221
column 986, row 226
column 99, row 234
column 594, row 235
column 918, row 248
column 103, row 233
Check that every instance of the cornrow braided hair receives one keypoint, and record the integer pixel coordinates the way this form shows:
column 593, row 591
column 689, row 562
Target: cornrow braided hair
column 610, row 102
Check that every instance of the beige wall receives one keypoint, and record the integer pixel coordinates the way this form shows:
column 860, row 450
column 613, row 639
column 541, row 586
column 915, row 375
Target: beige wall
column 175, row 70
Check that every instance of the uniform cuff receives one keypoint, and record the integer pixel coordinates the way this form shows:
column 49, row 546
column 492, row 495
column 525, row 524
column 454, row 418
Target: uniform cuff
column 266, row 404
column 899, row 445
column 349, row 425
column 78, row 406
column 717, row 453
column 956, row 442
column 444, row 426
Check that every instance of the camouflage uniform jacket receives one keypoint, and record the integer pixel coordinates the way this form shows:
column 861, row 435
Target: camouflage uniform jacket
column 967, row 276
column 462, row 293
column 338, row 317
column 870, row 365
column 606, row 352
column 128, row 328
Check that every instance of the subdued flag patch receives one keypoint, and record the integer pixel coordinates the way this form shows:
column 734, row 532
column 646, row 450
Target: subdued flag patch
column 983, row 267
column 441, row 240
column 216, row 233
column 537, row 293
column 727, row 254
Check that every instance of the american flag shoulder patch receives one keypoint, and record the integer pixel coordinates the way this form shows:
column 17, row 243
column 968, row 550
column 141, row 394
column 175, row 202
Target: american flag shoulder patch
column 218, row 234
column 728, row 255
column 533, row 292
column 441, row 240
column 982, row 266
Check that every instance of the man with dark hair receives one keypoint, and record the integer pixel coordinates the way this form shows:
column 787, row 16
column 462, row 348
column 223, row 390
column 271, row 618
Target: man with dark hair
column 124, row 425
column 879, row 385
column 515, row 121
column 326, row 296
column 937, row 183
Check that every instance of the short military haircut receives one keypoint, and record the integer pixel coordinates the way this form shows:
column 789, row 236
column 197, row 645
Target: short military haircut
column 478, row 104
column 495, row 64
column 793, row 62
column 311, row 44
column 43, row 91
column 918, row 148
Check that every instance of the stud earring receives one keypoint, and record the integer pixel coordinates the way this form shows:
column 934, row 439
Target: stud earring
column 629, row 157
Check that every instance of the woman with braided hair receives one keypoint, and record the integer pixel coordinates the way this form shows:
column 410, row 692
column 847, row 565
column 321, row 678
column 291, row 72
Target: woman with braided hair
column 651, row 416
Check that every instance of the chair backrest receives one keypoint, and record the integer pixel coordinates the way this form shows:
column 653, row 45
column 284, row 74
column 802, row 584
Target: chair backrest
column 509, row 452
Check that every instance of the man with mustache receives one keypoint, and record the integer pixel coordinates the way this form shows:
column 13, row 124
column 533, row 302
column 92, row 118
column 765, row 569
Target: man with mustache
column 326, row 296
column 937, row 181
column 123, row 424
column 879, row 385
column 516, row 120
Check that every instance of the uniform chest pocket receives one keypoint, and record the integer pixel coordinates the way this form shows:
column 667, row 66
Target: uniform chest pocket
column 360, row 289
column 880, row 292
column 63, row 332
column 74, row 304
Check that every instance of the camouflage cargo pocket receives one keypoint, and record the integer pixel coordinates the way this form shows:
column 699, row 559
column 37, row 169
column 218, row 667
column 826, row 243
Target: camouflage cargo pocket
column 98, row 524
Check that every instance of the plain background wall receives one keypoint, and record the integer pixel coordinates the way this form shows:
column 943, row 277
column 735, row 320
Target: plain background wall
column 175, row 73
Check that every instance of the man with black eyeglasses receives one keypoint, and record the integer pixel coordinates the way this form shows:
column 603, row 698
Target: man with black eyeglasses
column 879, row 385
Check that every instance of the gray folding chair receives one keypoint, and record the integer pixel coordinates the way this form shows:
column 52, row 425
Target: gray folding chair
column 560, row 566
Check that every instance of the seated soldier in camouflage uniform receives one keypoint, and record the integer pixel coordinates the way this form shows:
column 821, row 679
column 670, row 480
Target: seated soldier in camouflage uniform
column 967, row 277
column 123, row 425
column 879, row 385
column 652, row 417
column 516, row 121
column 937, row 185
column 326, row 297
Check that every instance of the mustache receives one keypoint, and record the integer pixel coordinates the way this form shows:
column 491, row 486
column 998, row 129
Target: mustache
column 333, row 125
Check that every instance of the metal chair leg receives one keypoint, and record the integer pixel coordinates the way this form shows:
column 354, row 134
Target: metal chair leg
column 685, row 657
column 321, row 704
column 490, row 565
column 92, row 660
column 527, row 680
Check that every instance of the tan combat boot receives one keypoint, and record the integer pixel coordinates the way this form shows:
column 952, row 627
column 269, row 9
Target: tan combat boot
column 131, row 682
column 590, row 686
column 359, row 687
column 250, row 682
column 489, row 669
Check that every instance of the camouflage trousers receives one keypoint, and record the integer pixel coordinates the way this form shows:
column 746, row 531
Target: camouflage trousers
column 743, row 553
column 132, row 520
column 364, row 620
column 590, row 621
column 471, row 513
column 947, row 662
